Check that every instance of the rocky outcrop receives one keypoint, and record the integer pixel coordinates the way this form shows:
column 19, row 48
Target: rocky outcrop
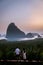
column 29, row 35
column 14, row 32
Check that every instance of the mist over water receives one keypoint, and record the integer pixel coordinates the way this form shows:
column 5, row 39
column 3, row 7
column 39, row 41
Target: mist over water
column 20, row 39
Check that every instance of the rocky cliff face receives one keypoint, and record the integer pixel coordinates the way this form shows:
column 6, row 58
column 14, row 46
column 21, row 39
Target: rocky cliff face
column 14, row 32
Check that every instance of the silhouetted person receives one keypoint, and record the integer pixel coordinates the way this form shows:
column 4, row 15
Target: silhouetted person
column 24, row 54
column 17, row 52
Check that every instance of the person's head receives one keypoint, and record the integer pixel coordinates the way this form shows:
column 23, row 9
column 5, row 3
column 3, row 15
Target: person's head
column 24, row 49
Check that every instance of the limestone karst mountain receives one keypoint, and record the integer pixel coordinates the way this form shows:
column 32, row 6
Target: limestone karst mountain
column 30, row 35
column 14, row 32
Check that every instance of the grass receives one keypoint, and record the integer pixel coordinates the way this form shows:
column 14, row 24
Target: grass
column 34, row 49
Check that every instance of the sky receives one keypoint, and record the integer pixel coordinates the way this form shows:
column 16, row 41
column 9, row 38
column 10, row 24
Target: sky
column 27, row 15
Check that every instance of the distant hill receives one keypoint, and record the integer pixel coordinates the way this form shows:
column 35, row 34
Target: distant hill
column 14, row 32
column 36, row 34
column 30, row 35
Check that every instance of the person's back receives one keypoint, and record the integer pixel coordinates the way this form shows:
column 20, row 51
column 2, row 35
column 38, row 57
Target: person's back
column 24, row 54
column 17, row 52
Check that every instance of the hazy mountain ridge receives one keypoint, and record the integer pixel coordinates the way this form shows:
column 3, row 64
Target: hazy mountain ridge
column 14, row 33
column 30, row 35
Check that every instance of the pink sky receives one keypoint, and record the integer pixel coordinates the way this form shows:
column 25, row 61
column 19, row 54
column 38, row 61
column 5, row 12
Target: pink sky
column 26, row 14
